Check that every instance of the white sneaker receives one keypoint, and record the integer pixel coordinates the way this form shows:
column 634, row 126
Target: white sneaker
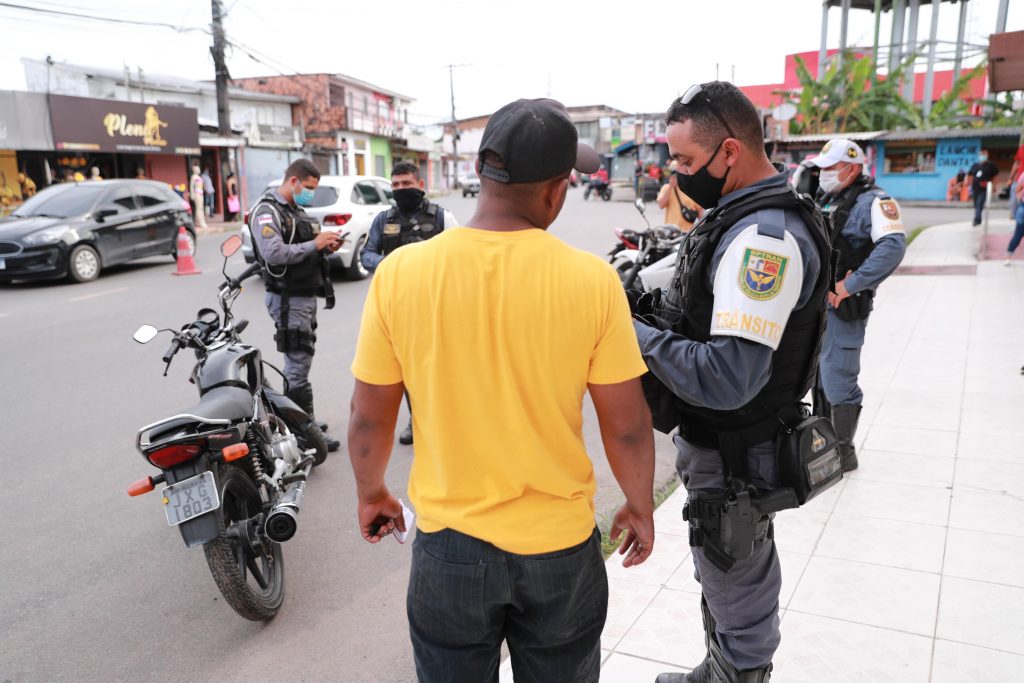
column 1007, row 263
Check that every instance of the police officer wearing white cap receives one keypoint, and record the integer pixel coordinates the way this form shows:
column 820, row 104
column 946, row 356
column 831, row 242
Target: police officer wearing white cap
column 869, row 236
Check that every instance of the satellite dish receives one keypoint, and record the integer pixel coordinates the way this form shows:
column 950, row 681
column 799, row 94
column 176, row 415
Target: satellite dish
column 784, row 112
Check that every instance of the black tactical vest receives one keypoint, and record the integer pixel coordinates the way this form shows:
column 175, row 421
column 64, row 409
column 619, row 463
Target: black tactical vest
column 687, row 307
column 400, row 229
column 850, row 258
column 305, row 278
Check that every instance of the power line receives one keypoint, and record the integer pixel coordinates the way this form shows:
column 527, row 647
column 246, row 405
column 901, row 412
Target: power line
column 112, row 20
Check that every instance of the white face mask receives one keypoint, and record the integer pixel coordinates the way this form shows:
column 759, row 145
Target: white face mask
column 829, row 181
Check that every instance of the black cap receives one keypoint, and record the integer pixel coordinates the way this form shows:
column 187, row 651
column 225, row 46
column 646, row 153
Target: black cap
column 537, row 141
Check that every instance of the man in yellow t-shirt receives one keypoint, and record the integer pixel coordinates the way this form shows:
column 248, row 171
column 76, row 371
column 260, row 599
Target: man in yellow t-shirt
column 497, row 331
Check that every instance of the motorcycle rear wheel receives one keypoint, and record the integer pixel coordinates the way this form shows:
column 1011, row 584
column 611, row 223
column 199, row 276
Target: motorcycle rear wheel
column 252, row 583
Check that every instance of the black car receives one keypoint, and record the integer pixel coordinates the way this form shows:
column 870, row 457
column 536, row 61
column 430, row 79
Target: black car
column 75, row 229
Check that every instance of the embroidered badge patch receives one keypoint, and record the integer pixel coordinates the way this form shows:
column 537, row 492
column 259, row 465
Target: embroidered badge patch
column 889, row 209
column 761, row 274
column 392, row 228
column 267, row 232
column 264, row 218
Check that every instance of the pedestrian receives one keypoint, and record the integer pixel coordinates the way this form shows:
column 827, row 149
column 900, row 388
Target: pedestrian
column 598, row 182
column 732, row 370
column 680, row 210
column 414, row 218
column 956, row 186
column 233, row 203
column 638, row 173
column 869, row 235
column 1018, row 216
column 294, row 254
column 1016, row 171
column 497, row 331
column 982, row 173
column 208, row 192
column 196, row 191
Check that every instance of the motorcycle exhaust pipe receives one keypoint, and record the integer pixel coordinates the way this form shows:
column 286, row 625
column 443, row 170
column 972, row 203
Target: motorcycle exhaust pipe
column 283, row 520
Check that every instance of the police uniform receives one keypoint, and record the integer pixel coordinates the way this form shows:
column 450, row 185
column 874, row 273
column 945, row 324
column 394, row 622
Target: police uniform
column 394, row 228
column 733, row 349
column 868, row 233
column 297, row 273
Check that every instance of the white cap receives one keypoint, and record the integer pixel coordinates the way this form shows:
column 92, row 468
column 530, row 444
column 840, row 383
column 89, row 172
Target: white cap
column 838, row 150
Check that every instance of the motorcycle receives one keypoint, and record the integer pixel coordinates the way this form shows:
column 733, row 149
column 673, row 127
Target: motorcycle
column 603, row 190
column 235, row 464
column 646, row 255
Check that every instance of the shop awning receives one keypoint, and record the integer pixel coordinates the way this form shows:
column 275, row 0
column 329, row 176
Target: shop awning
column 25, row 121
column 625, row 147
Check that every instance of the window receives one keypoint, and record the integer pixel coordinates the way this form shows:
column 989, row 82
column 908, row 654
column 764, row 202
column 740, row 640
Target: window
column 909, row 159
column 121, row 199
column 62, row 201
column 365, row 193
column 148, row 197
column 385, row 191
column 337, row 96
column 378, row 165
column 324, row 195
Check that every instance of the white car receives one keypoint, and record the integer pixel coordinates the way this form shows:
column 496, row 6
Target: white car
column 344, row 204
column 470, row 185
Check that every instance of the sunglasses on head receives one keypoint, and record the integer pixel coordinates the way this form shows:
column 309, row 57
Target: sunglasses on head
column 698, row 90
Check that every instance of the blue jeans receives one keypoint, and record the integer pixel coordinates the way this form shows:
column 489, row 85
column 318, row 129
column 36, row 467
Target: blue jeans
column 979, row 204
column 1018, row 232
column 466, row 596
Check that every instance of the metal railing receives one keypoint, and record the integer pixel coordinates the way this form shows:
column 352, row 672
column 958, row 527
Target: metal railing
column 983, row 241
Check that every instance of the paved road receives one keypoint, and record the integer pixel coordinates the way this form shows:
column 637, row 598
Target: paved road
column 95, row 586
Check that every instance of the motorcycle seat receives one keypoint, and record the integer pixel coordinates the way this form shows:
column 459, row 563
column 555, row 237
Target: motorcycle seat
column 231, row 403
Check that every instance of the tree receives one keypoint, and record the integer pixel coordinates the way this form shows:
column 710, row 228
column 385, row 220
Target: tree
column 1000, row 111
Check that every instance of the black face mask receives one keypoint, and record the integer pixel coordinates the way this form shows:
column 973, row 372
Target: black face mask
column 702, row 187
column 409, row 199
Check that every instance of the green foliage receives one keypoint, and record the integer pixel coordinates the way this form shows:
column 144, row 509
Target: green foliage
column 853, row 97
column 1000, row 112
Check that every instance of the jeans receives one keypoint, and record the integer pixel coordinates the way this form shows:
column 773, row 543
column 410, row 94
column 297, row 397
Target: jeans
column 1018, row 232
column 466, row 596
column 979, row 204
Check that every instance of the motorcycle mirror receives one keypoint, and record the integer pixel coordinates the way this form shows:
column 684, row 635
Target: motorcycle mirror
column 230, row 246
column 145, row 334
column 640, row 206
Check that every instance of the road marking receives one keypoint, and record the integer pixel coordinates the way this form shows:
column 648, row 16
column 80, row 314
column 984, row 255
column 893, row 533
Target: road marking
column 98, row 294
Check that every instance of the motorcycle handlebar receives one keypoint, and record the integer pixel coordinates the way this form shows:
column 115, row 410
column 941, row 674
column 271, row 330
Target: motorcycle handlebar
column 171, row 350
column 235, row 282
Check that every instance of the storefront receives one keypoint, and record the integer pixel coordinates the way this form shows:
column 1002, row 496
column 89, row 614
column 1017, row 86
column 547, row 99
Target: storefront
column 269, row 151
column 123, row 139
column 25, row 143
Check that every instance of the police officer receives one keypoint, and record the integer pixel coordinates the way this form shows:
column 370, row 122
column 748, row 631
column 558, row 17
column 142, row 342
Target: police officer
column 869, row 236
column 731, row 346
column 289, row 243
column 414, row 218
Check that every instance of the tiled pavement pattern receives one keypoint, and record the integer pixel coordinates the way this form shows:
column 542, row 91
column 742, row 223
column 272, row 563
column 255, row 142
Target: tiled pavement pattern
column 912, row 568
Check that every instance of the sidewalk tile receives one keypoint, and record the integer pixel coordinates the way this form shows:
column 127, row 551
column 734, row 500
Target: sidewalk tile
column 1004, row 477
column 668, row 518
column 981, row 556
column 959, row 663
column 669, row 630
column 899, row 502
column 669, row 552
column 1007, row 381
column 626, row 601
column 798, row 531
column 897, row 599
column 983, row 511
column 896, row 412
column 883, row 542
column 983, row 614
column 924, row 470
column 794, row 566
column 989, row 447
column 1005, row 420
column 622, row 668
column 907, row 439
column 817, row 650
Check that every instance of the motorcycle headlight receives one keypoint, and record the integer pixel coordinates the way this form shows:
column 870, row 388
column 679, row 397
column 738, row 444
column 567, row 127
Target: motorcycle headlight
column 50, row 236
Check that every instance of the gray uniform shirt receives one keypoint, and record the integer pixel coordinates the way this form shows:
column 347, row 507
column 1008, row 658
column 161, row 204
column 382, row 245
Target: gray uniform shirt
column 270, row 238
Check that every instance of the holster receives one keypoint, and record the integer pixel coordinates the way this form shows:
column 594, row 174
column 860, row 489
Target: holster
column 807, row 458
column 856, row 306
column 731, row 525
column 291, row 338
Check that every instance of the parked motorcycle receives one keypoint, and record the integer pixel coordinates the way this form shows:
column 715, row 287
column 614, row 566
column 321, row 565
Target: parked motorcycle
column 646, row 255
column 235, row 464
column 603, row 190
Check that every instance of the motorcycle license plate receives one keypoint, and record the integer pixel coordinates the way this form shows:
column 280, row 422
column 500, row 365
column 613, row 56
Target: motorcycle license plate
column 190, row 498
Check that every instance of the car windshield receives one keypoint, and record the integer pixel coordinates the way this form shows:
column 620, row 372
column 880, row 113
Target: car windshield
column 61, row 201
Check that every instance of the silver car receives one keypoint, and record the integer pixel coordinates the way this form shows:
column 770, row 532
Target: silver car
column 343, row 204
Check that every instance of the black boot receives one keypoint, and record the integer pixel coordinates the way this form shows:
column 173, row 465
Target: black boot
column 715, row 668
column 844, row 419
column 405, row 438
column 303, row 398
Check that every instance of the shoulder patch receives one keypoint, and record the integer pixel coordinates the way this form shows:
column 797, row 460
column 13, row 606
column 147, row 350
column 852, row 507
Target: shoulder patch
column 264, row 218
column 889, row 209
column 267, row 231
column 885, row 219
column 762, row 274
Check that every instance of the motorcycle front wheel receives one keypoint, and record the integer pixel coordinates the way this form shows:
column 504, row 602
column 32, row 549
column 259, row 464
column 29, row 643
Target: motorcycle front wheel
column 251, row 579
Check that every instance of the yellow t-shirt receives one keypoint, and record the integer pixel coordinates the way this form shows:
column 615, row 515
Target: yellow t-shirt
column 496, row 336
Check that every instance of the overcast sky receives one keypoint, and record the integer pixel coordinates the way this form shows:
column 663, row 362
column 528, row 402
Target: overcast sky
column 635, row 56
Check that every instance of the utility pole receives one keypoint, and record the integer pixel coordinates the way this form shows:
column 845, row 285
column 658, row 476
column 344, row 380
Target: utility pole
column 455, row 126
column 221, row 70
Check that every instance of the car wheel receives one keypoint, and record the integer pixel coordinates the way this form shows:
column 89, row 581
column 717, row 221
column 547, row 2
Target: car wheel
column 83, row 264
column 357, row 271
column 191, row 243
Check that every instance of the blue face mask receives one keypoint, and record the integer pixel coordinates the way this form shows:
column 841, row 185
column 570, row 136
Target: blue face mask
column 982, row 158
column 303, row 196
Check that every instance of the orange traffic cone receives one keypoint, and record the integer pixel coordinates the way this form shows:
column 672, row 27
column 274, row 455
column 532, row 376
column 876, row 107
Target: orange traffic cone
column 186, row 263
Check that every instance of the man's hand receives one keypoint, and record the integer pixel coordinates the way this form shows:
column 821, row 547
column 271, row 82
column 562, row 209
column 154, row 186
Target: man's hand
column 639, row 540
column 840, row 294
column 378, row 518
column 328, row 241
